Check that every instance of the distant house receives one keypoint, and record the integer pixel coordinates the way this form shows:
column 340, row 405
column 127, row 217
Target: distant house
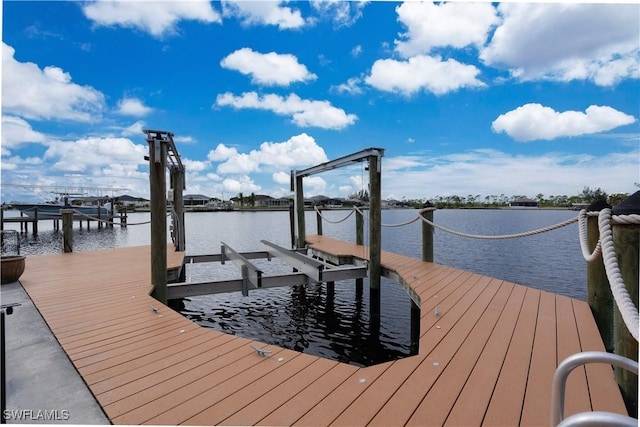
column 523, row 202
column 270, row 202
column 195, row 199
column 128, row 201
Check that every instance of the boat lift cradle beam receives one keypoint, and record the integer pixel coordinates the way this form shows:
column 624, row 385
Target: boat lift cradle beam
column 309, row 271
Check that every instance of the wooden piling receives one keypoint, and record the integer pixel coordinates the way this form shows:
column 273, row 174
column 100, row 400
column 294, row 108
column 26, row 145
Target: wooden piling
column 599, row 294
column 626, row 240
column 67, row 230
column 375, row 238
column 427, row 234
column 34, row 227
column 158, row 207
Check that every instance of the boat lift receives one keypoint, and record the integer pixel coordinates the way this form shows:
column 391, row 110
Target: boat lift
column 306, row 270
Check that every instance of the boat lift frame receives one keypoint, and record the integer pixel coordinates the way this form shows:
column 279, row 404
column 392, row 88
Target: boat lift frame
column 306, row 270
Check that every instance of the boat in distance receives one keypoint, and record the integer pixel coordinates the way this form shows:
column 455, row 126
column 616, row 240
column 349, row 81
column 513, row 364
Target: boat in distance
column 52, row 210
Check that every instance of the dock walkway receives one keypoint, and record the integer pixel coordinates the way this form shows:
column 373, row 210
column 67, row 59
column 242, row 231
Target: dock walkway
column 487, row 358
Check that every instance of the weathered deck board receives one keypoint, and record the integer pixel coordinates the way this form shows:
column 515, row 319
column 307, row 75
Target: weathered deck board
column 486, row 358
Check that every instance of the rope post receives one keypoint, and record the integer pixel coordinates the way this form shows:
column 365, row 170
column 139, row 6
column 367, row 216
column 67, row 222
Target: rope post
column 67, row 230
column 626, row 240
column 599, row 296
column 427, row 234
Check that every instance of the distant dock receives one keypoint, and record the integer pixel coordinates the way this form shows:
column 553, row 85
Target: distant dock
column 25, row 222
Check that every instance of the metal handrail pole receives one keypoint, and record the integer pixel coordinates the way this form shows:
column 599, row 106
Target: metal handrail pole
column 563, row 370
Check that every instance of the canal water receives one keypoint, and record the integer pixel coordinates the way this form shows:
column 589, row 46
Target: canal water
column 336, row 325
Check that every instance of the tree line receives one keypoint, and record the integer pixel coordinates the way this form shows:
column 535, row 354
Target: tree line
column 587, row 196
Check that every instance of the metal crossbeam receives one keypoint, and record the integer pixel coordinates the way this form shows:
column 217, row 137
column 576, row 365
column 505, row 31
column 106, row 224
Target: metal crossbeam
column 360, row 156
column 250, row 273
column 302, row 263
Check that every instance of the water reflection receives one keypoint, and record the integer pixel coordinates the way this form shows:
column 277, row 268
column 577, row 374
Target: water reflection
column 313, row 319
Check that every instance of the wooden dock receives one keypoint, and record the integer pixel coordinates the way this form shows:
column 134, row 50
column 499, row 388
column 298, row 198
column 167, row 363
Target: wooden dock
column 486, row 359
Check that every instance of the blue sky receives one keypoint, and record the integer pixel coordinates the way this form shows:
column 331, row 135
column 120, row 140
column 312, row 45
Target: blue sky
column 465, row 98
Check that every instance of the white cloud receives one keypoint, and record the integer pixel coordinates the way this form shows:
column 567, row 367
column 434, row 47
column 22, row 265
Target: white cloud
column 17, row 132
column 297, row 151
column 422, row 72
column 158, row 18
column 314, row 186
column 269, row 69
column 195, row 166
column 281, row 178
column 134, row 129
column 487, row 172
column 222, row 152
column 342, row 13
column 534, row 121
column 564, row 42
column 244, row 184
column 454, row 24
column 303, row 112
column 133, row 107
column 351, row 86
column 46, row 94
column 356, row 51
column 90, row 155
column 263, row 13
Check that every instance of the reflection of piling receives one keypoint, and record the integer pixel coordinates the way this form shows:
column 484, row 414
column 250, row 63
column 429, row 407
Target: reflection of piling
column 626, row 240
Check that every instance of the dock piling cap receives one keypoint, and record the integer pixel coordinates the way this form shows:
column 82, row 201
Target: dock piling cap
column 629, row 206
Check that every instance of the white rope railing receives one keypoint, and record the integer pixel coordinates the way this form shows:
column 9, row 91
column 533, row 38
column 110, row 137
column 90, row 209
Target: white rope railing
column 330, row 221
column 604, row 248
column 627, row 308
column 498, row 237
column 584, row 245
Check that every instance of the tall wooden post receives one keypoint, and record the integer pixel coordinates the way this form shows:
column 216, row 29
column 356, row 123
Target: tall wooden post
column 626, row 240
column 375, row 238
column 299, row 203
column 158, row 207
column 427, row 234
column 67, row 230
column 599, row 294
